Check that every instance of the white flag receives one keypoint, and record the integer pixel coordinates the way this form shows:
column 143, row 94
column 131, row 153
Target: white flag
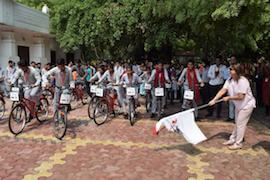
column 183, row 122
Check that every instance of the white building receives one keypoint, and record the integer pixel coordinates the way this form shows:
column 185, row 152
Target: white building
column 24, row 34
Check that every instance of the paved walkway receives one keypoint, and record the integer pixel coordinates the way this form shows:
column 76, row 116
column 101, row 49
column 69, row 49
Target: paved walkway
column 116, row 150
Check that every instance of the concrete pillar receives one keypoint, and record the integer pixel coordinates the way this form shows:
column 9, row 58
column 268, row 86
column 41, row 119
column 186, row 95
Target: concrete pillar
column 8, row 48
column 38, row 51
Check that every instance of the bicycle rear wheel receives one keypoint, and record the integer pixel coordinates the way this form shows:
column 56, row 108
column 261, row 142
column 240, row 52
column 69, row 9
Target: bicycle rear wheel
column 17, row 119
column 131, row 112
column 60, row 123
column 101, row 112
column 43, row 112
column 2, row 108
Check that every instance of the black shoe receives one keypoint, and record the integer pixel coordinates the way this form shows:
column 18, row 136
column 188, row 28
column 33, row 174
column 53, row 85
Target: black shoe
column 152, row 115
column 230, row 119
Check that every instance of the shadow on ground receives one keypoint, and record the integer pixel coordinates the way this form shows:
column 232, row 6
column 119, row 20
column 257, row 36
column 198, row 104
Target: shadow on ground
column 186, row 148
column 221, row 135
column 262, row 144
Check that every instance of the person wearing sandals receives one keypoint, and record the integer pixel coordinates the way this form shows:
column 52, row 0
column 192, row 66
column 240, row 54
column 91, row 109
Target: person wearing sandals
column 240, row 93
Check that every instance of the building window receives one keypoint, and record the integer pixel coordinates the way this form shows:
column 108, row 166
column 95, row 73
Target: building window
column 53, row 57
column 23, row 53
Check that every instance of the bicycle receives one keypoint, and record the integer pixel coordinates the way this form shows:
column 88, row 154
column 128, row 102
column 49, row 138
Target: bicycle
column 2, row 106
column 19, row 117
column 130, row 95
column 105, row 106
column 79, row 93
column 61, row 112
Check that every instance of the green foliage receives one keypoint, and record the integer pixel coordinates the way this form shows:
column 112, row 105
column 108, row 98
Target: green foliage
column 123, row 29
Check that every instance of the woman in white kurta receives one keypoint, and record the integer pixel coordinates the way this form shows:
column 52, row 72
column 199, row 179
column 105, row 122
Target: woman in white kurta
column 240, row 93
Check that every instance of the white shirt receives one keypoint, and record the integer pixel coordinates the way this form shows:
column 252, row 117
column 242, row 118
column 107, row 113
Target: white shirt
column 114, row 78
column 205, row 78
column 97, row 76
column 119, row 70
column 219, row 79
column 59, row 80
column 34, row 77
column 9, row 74
column 134, row 81
column 241, row 86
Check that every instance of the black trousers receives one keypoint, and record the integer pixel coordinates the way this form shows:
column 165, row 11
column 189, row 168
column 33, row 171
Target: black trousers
column 205, row 94
column 213, row 91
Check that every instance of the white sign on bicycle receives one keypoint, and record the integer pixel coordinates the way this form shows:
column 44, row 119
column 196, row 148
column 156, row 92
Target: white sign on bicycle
column 99, row 92
column 72, row 84
column 131, row 91
column 189, row 95
column 159, row 92
column 14, row 96
column 93, row 89
column 147, row 86
column 65, row 99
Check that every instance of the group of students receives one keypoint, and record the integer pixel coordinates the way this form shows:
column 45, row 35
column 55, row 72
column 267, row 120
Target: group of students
column 199, row 80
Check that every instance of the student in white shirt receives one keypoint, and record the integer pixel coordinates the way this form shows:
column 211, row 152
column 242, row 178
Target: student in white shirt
column 158, row 79
column 113, row 78
column 216, row 76
column 130, row 79
column 30, row 77
column 97, row 76
column 9, row 75
column 63, row 78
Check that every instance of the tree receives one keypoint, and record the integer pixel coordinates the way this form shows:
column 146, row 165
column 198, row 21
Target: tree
column 131, row 29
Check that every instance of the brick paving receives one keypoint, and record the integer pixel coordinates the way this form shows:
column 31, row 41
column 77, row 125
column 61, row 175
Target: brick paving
column 116, row 150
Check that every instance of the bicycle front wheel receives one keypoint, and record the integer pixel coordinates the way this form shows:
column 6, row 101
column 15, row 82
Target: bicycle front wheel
column 2, row 108
column 17, row 119
column 131, row 112
column 43, row 111
column 91, row 107
column 60, row 123
column 101, row 111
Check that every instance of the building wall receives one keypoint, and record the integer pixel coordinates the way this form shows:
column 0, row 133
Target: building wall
column 39, row 47
column 23, row 26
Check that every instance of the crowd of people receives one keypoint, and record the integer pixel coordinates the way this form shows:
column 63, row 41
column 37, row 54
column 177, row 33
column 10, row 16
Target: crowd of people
column 203, row 78
column 228, row 79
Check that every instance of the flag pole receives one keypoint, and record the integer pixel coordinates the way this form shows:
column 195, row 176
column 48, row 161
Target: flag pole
column 206, row 105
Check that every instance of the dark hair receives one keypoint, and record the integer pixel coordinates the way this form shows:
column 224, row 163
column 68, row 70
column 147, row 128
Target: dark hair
column 22, row 63
column 48, row 64
column 33, row 62
column 61, row 61
column 10, row 61
column 129, row 67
